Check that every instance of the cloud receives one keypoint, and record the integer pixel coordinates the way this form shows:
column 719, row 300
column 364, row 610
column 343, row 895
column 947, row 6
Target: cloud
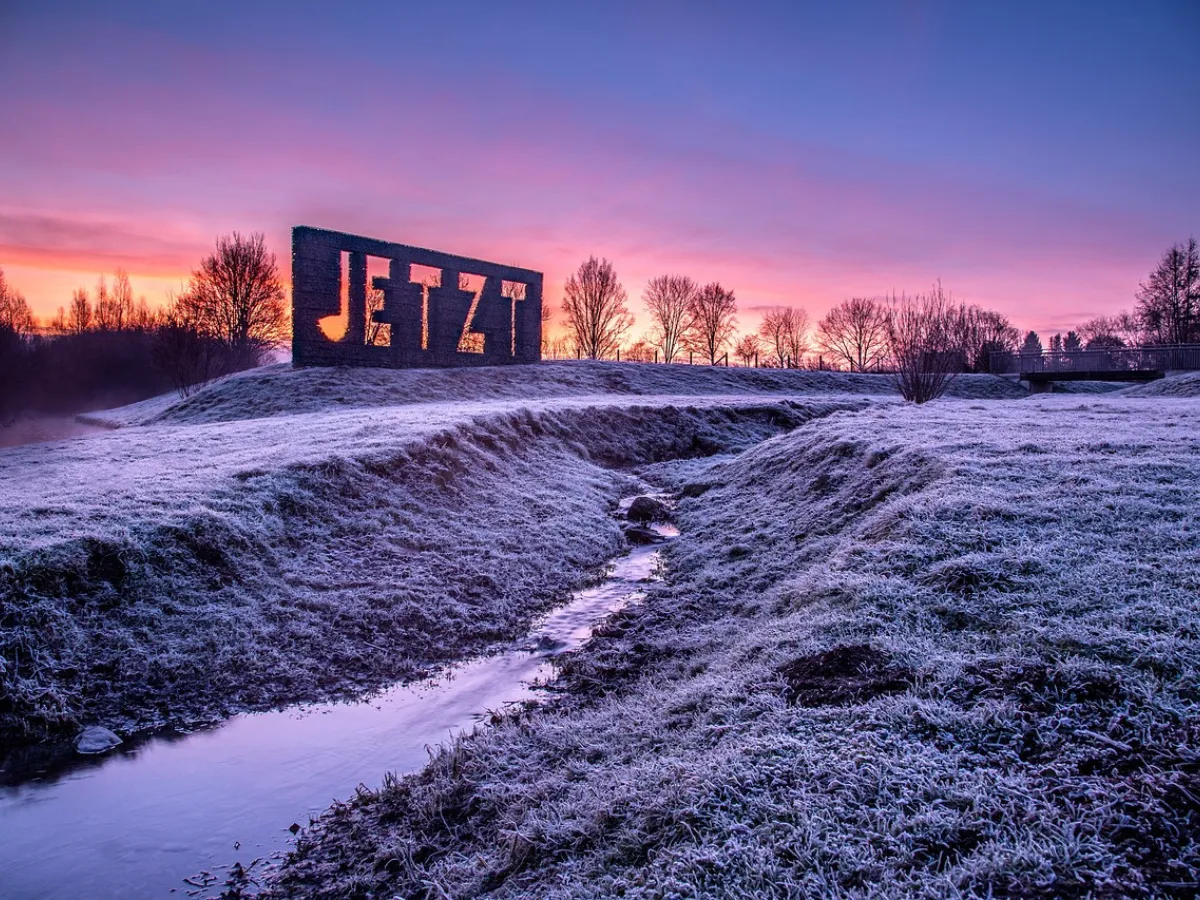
column 88, row 244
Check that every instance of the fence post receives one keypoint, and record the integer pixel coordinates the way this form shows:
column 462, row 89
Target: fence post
column 691, row 360
column 656, row 356
column 618, row 354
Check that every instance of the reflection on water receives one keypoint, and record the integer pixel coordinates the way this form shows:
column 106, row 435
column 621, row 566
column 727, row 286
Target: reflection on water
column 142, row 820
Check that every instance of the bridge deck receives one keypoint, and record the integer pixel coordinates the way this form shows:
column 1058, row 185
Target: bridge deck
column 1110, row 364
column 1099, row 375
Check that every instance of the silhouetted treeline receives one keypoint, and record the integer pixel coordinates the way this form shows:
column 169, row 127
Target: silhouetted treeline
column 77, row 372
column 113, row 351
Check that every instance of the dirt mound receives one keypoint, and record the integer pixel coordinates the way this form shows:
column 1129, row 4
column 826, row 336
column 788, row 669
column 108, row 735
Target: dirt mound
column 845, row 674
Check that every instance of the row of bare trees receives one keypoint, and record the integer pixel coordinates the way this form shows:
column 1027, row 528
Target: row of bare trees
column 860, row 334
column 684, row 315
column 1166, row 310
column 927, row 338
column 113, row 309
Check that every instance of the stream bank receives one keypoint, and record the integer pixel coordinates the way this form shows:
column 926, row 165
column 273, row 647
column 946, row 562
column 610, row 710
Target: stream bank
column 202, row 805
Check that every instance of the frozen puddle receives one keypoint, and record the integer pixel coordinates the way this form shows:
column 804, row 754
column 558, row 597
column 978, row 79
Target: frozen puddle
column 141, row 821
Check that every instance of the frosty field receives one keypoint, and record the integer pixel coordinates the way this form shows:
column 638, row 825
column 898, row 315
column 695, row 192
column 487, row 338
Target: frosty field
column 289, row 535
column 947, row 650
column 938, row 651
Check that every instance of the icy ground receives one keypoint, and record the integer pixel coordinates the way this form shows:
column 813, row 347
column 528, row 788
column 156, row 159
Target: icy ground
column 286, row 535
column 948, row 650
column 280, row 390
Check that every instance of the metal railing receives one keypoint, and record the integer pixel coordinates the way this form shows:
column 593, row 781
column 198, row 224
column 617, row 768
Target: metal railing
column 1115, row 360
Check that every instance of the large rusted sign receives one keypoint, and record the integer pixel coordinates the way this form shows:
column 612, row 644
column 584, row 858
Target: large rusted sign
column 424, row 308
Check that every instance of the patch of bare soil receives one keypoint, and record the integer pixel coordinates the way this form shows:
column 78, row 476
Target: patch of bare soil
column 845, row 674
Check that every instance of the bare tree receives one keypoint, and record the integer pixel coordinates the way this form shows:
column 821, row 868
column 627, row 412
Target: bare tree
column 747, row 348
column 113, row 309
column 106, row 314
column 639, row 351
column 784, row 331
column 79, row 314
column 58, row 324
column 563, row 347
column 1111, row 332
column 237, row 297
column 184, row 351
column 1168, row 302
column 141, row 316
column 713, row 316
column 122, row 300
column 923, row 345
column 377, row 333
column 15, row 315
column 594, row 304
column 546, row 315
column 16, row 329
column 669, row 300
column 982, row 332
column 855, row 333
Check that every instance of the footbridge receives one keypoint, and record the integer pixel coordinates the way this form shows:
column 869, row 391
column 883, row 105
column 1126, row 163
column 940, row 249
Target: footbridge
column 1112, row 364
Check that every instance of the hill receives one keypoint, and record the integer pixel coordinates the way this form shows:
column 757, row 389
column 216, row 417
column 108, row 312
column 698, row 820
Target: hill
column 281, row 390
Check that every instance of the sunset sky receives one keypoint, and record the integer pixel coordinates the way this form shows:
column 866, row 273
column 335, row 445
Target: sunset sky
column 1036, row 157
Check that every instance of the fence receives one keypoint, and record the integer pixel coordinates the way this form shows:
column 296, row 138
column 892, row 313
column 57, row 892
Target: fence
column 1116, row 360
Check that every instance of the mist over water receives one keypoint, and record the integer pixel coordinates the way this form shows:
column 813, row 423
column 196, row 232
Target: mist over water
column 35, row 430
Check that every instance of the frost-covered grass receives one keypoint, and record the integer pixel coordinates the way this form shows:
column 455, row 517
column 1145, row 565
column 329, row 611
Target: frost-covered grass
column 219, row 561
column 940, row 651
column 281, row 390
column 1087, row 387
column 1184, row 385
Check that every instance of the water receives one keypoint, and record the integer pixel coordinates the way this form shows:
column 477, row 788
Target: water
column 137, row 822
column 37, row 429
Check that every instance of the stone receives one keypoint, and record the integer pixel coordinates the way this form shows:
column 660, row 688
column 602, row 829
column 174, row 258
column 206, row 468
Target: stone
column 647, row 509
column 638, row 534
column 95, row 739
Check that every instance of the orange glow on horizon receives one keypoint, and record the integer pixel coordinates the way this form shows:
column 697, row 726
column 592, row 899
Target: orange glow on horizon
column 46, row 289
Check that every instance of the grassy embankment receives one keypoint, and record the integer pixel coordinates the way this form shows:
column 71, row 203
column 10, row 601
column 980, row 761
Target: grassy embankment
column 288, row 535
column 938, row 651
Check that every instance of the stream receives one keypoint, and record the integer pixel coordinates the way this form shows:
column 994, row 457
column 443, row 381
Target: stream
column 138, row 821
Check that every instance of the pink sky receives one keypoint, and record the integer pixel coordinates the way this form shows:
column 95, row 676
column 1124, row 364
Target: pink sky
column 141, row 165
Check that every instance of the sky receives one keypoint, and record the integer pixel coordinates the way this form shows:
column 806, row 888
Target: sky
column 1036, row 157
